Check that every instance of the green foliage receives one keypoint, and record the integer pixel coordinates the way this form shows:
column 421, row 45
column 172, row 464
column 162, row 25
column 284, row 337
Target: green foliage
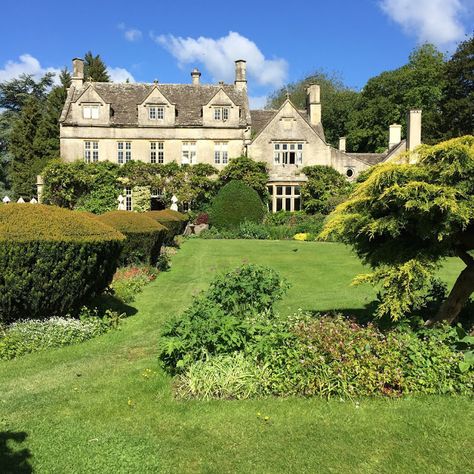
column 404, row 219
column 128, row 282
column 252, row 173
column 235, row 203
column 144, row 236
column 52, row 260
column 141, row 196
column 174, row 221
column 224, row 319
column 458, row 96
column 24, row 337
column 95, row 69
column 337, row 99
column 324, row 189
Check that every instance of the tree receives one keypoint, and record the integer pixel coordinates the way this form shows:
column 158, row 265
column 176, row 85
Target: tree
column 324, row 189
column 386, row 99
column 252, row 173
column 26, row 164
column 403, row 220
column 337, row 102
column 458, row 101
column 95, row 69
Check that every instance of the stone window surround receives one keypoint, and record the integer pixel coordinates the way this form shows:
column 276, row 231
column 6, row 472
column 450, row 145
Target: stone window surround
column 284, row 196
column 90, row 111
column 282, row 151
column 157, row 152
column 156, row 112
column 221, row 113
column 221, row 156
column 188, row 152
column 124, row 152
column 91, row 151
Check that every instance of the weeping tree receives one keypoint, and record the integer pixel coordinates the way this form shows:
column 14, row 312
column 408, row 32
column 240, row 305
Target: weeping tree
column 404, row 220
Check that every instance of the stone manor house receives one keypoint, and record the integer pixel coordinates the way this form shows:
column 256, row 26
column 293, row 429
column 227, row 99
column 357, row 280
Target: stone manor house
column 204, row 123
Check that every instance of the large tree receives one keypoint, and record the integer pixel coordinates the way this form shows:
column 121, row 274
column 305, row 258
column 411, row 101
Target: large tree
column 95, row 69
column 403, row 220
column 458, row 95
column 337, row 101
column 386, row 99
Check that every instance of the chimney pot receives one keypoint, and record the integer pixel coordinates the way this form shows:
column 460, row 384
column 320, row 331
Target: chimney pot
column 196, row 76
column 414, row 129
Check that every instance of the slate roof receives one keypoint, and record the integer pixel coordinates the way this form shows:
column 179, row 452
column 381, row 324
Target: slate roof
column 376, row 158
column 188, row 99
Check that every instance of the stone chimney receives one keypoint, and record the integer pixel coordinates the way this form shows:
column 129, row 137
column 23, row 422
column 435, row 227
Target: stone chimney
column 394, row 135
column 77, row 72
column 196, row 75
column 241, row 74
column 413, row 129
column 314, row 104
column 342, row 144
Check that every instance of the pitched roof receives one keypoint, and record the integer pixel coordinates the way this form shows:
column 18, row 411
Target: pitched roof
column 188, row 99
column 376, row 158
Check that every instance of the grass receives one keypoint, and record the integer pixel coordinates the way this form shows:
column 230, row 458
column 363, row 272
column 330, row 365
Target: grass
column 90, row 408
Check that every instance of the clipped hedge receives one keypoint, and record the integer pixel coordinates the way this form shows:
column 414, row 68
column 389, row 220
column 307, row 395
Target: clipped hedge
column 174, row 221
column 52, row 260
column 144, row 236
column 234, row 204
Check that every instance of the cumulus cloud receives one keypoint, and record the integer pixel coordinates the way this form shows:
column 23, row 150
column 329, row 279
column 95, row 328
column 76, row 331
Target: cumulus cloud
column 27, row 64
column 130, row 34
column 258, row 102
column 120, row 74
column 434, row 21
column 218, row 56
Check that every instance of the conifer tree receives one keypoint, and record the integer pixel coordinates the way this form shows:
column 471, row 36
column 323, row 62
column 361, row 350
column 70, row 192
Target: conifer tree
column 95, row 69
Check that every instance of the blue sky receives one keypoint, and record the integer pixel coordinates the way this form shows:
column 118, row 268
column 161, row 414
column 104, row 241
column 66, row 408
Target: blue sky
column 282, row 41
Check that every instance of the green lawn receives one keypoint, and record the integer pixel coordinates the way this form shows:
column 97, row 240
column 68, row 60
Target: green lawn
column 72, row 404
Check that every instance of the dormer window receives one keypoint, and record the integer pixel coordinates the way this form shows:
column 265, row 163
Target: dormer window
column 156, row 113
column 221, row 113
column 90, row 111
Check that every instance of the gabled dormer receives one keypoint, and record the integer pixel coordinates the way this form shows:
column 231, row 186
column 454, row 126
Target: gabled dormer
column 220, row 111
column 156, row 110
column 90, row 108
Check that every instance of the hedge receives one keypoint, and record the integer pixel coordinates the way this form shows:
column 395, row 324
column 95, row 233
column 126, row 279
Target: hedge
column 144, row 236
column 234, row 204
column 174, row 221
column 52, row 260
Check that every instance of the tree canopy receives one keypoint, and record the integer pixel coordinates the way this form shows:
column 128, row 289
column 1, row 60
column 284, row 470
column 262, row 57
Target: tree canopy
column 403, row 220
column 95, row 68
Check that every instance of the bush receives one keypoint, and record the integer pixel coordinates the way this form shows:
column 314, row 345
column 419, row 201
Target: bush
column 224, row 319
column 235, row 203
column 144, row 236
column 24, row 337
column 226, row 376
column 52, row 260
column 174, row 221
column 130, row 281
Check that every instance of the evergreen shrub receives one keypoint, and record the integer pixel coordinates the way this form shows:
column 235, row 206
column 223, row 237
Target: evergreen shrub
column 144, row 236
column 174, row 221
column 235, row 203
column 52, row 260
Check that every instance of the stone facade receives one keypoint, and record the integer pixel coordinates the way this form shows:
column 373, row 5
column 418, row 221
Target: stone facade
column 197, row 123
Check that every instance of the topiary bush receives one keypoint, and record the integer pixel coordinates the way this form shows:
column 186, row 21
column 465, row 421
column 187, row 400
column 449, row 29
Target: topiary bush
column 174, row 221
column 52, row 260
column 144, row 236
column 235, row 203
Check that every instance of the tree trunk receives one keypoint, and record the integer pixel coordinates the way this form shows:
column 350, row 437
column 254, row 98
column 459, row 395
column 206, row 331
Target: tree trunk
column 462, row 290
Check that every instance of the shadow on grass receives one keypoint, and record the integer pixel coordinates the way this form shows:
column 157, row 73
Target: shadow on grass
column 104, row 302
column 14, row 461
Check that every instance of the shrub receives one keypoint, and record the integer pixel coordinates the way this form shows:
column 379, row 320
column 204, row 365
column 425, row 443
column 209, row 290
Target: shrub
column 235, row 203
column 202, row 218
column 144, row 236
column 226, row 376
column 224, row 319
column 52, row 260
column 34, row 335
column 174, row 221
column 130, row 281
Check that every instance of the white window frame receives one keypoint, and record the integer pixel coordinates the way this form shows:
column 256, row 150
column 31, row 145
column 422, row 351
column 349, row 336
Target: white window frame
column 221, row 114
column 124, row 152
column 90, row 112
column 188, row 153
column 91, row 151
column 157, row 153
column 156, row 112
column 221, row 155
column 294, row 196
column 128, row 199
column 282, row 152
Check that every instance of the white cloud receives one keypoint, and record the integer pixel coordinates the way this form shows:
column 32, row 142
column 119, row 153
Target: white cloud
column 258, row 102
column 434, row 21
column 130, row 34
column 218, row 56
column 119, row 74
column 27, row 64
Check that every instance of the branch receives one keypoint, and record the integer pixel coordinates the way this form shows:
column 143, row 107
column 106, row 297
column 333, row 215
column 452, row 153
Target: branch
column 464, row 256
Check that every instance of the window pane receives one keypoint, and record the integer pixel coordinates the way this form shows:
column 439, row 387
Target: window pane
column 279, row 204
column 277, row 146
column 300, row 146
column 288, row 190
column 297, row 204
column 225, row 114
column 279, row 190
column 297, row 190
column 95, row 112
column 288, row 204
column 270, row 190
